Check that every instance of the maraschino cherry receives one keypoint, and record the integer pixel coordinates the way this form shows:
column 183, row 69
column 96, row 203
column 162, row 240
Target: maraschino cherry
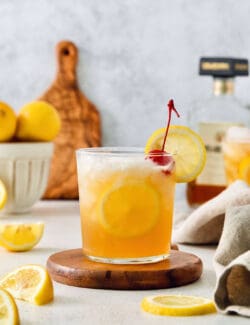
column 160, row 156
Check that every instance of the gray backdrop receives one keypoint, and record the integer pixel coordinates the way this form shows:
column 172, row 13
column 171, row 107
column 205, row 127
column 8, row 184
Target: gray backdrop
column 134, row 54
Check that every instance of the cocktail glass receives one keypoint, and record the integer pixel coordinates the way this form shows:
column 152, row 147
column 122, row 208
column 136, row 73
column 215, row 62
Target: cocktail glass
column 126, row 204
column 236, row 151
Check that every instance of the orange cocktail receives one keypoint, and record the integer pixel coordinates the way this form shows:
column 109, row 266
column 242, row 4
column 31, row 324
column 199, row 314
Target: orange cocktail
column 126, row 204
column 236, row 150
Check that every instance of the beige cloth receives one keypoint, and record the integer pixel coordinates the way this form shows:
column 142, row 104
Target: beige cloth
column 235, row 238
column 232, row 292
column 225, row 219
column 204, row 225
column 232, row 263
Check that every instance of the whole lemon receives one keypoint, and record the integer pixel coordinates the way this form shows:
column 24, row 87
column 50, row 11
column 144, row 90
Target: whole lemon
column 7, row 122
column 38, row 121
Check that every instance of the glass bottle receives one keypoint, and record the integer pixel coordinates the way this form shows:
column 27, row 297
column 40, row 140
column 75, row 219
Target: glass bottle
column 211, row 119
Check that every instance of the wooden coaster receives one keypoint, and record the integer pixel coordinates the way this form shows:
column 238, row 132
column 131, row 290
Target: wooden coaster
column 72, row 268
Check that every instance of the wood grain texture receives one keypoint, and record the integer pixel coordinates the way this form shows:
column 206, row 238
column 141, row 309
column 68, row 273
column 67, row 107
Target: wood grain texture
column 80, row 124
column 72, row 268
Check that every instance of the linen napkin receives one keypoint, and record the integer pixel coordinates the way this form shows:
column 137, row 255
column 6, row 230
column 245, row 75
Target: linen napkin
column 235, row 238
column 232, row 292
column 232, row 263
column 225, row 219
column 204, row 225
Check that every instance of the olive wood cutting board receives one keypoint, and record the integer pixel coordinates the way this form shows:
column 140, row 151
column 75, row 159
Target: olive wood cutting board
column 72, row 268
column 80, row 124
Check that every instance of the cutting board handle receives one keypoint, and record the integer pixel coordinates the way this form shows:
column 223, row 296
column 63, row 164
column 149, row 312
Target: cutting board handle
column 67, row 55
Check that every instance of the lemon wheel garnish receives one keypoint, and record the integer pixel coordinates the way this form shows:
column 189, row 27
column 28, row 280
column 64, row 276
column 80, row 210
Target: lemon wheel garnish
column 244, row 169
column 20, row 237
column 177, row 305
column 31, row 283
column 129, row 210
column 8, row 309
column 3, row 195
column 186, row 146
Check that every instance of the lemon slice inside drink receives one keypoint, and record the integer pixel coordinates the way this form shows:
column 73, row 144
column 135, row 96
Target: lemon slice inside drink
column 244, row 170
column 130, row 210
column 177, row 305
column 31, row 283
column 8, row 309
column 187, row 147
column 20, row 237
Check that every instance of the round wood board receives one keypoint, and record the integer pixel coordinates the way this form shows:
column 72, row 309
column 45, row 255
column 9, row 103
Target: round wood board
column 72, row 268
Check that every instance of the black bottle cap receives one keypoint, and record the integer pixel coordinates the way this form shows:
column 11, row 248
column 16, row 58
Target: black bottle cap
column 223, row 67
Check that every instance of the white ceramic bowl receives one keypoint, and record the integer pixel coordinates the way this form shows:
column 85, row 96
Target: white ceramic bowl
column 24, row 169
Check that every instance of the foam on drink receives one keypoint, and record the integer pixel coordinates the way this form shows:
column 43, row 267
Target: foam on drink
column 238, row 133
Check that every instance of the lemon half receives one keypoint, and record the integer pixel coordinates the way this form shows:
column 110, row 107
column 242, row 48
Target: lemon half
column 20, row 237
column 187, row 147
column 31, row 283
column 177, row 305
column 8, row 309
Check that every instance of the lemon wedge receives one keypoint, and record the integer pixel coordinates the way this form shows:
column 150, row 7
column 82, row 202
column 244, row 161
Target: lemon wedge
column 31, row 283
column 3, row 195
column 187, row 147
column 130, row 210
column 177, row 305
column 20, row 237
column 8, row 309
column 244, row 169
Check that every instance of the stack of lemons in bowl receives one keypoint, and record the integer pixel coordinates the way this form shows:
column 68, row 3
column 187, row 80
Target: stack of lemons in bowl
column 26, row 148
column 36, row 121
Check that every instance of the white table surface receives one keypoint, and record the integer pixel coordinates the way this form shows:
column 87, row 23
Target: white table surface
column 73, row 305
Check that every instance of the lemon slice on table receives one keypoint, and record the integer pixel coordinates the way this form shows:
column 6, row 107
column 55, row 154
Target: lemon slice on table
column 20, row 237
column 3, row 194
column 186, row 146
column 121, row 204
column 244, row 169
column 8, row 309
column 177, row 305
column 31, row 283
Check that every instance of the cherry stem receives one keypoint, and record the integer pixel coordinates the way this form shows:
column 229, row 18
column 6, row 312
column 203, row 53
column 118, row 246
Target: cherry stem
column 171, row 108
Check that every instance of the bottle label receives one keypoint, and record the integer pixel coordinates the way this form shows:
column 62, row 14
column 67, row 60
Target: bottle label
column 214, row 171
